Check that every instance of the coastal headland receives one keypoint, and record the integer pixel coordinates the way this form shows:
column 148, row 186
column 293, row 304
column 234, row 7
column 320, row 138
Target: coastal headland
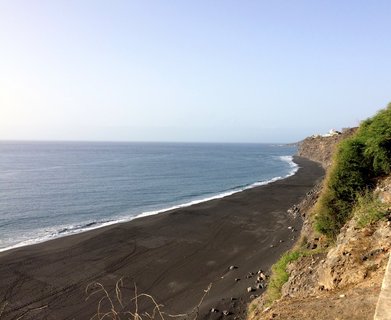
column 172, row 256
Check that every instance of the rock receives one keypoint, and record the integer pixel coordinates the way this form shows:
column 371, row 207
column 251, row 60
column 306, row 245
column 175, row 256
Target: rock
column 367, row 232
column 237, row 279
column 261, row 276
column 214, row 310
column 232, row 267
column 250, row 289
column 342, row 296
column 226, row 312
column 267, row 309
column 260, row 286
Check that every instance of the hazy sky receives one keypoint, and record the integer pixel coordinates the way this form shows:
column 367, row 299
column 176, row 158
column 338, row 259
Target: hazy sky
column 230, row 71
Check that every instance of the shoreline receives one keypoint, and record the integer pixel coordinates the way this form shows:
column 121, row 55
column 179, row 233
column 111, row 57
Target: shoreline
column 102, row 224
column 173, row 255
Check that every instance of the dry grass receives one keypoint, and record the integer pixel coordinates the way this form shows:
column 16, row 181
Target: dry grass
column 116, row 307
column 369, row 209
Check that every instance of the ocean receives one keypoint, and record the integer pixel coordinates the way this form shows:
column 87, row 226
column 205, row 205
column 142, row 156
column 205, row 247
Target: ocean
column 53, row 189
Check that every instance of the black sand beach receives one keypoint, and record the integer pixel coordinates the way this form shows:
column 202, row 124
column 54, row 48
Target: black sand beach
column 173, row 256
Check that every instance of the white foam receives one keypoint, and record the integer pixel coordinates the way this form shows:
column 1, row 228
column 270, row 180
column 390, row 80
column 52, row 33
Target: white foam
column 57, row 232
column 63, row 231
column 288, row 159
column 292, row 164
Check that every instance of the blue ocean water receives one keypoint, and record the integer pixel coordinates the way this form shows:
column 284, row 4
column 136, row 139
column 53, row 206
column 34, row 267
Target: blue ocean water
column 52, row 189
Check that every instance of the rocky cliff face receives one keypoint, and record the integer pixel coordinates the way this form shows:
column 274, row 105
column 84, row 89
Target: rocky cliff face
column 344, row 281
column 341, row 280
column 320, row 148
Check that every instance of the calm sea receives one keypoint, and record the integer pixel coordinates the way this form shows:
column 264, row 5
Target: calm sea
column 52, row 189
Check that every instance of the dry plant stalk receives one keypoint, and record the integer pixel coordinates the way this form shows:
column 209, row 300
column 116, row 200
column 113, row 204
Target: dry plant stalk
column 118, row 313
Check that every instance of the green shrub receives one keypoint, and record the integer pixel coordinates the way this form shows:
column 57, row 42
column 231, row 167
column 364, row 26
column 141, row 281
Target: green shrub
column 325, row 219
column 357, row 162
column 376, row 132
column 348, row 176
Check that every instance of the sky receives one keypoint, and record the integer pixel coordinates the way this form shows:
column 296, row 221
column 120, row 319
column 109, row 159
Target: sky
column 191, row 71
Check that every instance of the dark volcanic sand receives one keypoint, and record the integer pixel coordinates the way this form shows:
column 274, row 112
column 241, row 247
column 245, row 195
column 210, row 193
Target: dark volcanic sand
column 172, row 256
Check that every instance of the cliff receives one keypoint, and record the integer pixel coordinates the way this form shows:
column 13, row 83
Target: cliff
column 339, row 281
column 321, row 148
column 338, row 275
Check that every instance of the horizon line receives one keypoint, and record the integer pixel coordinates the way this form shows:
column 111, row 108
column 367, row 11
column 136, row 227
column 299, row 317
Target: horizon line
column 137, row 141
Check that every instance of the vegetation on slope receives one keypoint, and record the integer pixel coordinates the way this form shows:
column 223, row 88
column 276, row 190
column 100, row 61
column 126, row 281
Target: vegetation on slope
column 347, row 190
column 369, row 209
column 358, row 161
column 280, row 274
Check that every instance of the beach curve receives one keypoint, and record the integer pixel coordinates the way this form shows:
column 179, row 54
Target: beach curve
column 172, row 256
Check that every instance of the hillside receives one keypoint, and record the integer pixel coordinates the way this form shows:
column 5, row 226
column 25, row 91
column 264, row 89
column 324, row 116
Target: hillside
column 321, row 148
column 336, row 269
